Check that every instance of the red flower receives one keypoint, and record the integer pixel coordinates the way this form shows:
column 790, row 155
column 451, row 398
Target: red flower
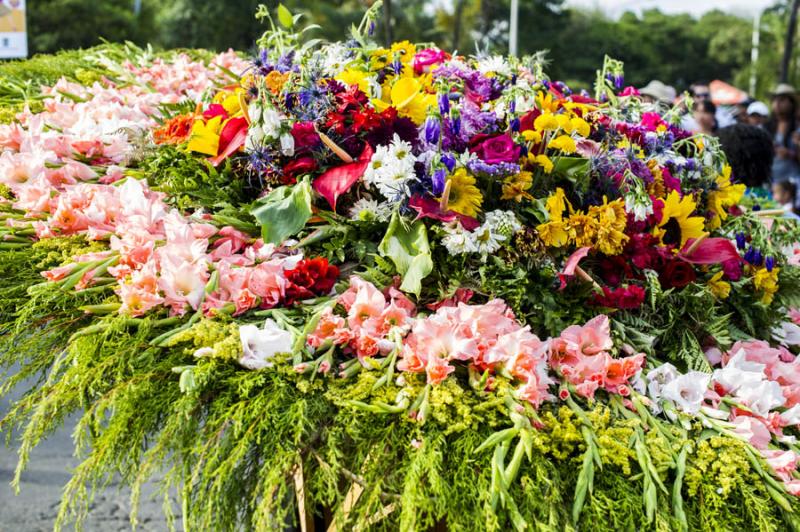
column 305, row 136
column 676, row 274
column 496, row 149
column 297, row 167
column 629, row 297
column 311, row 278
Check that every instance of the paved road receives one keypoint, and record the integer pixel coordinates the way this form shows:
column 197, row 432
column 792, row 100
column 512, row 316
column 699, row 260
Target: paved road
column 36, row 507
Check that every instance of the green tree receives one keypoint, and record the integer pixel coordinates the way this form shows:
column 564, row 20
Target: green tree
column 61, row 24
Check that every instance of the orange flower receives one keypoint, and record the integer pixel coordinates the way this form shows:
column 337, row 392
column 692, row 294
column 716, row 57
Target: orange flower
column 275, row 81
column 175, row 130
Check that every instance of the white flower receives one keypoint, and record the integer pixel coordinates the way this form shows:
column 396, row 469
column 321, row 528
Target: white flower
column 640, row 207
column 787, row 333
column 658, row 378
column 761, row 397
column 458, row 239
column 271, row 123
column 391, row 169
column 335, row 58
column 687, row 391
column 486, row 240
column 496, row 64
column 287, row 144
column 369, row 209
column 739, row 372
column 791, row 416
column 260, row 345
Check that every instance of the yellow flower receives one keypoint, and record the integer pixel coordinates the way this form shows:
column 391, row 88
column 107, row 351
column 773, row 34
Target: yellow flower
column 721, row 289
column 515, row 187
column 677, row 224
column 553, row 233
column 546, row 102
column 354, row 77
column 546, row 122
column 719, row 200
column 543, row 161
column 580, row 126
column 205, row 136
column 407, row 97
column 583, row 229
column 556, row 204
column 699, row 143
column 565, row 123
column 378, row 59
column 565, row 143
column 229, row 100
column 611, row 222
column 275, row 81
column 464, row 197
column 405, row 50
column 767, row 282
column 532, row 136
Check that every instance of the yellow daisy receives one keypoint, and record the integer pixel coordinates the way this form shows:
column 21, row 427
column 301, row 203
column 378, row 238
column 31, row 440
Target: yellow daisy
column 464, row 197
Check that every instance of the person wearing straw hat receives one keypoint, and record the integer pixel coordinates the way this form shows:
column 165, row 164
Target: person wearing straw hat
column 782, row 126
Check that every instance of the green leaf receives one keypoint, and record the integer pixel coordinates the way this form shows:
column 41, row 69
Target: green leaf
column 407, row 246
column 284, row 212
column 285, row 16
column 576, row 169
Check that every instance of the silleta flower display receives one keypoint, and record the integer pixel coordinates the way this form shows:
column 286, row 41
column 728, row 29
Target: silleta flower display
column 395, row 287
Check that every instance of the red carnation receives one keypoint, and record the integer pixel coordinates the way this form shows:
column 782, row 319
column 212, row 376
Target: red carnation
column 629, row 297
column 305, row 136
column 311, row 278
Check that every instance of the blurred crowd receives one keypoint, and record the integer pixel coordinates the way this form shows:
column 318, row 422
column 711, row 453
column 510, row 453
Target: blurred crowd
column 762, row 138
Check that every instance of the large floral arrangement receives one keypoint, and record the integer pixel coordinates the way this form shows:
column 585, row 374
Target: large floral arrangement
column 394, row 287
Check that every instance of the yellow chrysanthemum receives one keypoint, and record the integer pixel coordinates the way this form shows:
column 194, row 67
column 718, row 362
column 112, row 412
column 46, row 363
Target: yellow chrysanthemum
column 726, row 195
column 532, row 136
column 677, row 224
column 464, row 197
column 515, row 187
column 554, row 233
column 611, row 221
column 580, row 126
column 721, row 289
column 406, row 95
column 583, row 229
column 556, row 204
column 565, row 123
column 542, row 160
column 766, row 282
column 546, row 122
column 564, row 143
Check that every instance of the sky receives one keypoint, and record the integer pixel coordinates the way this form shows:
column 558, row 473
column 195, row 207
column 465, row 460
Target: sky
column 615, row 8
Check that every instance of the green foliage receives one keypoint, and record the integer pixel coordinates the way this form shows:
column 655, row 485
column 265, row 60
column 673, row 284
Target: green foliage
column 407, row 247
column 284, row 212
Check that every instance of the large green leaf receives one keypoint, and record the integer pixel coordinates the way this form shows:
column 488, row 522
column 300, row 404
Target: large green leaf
column 407, row 246
column 284, row 212
column 576, row 169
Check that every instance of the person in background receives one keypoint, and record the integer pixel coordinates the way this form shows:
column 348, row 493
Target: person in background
column 740, row 111
column 785, row 194
column 704, row 114
column 757, row 114
column 782, row 125
column 723, row 116
column 658, row 92
column 750, row 152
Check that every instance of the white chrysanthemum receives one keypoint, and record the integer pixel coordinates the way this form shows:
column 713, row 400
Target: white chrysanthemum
column 391, row 169
column 367, row 209
column 496, row 64
column 502, row 223
column 458, row 239
column 487, row 241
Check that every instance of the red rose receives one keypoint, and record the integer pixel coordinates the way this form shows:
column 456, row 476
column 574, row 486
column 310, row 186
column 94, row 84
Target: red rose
column 305, row 136
column 496, row 149
column 300, row 166
column 629, row 297
column 676, row 274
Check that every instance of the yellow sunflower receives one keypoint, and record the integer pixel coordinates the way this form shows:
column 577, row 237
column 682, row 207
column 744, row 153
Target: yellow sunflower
column 463, row 196
column 724, row 196
column 677, row 224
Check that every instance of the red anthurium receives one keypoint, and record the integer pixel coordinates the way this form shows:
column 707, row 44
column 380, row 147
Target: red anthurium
column 213, row 110
column 710, row 251
column 430, row 208
column 336, row 181
column 571, row 264
column 231, row 138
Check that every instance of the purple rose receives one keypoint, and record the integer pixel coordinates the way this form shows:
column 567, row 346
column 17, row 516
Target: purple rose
column 495, row 149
